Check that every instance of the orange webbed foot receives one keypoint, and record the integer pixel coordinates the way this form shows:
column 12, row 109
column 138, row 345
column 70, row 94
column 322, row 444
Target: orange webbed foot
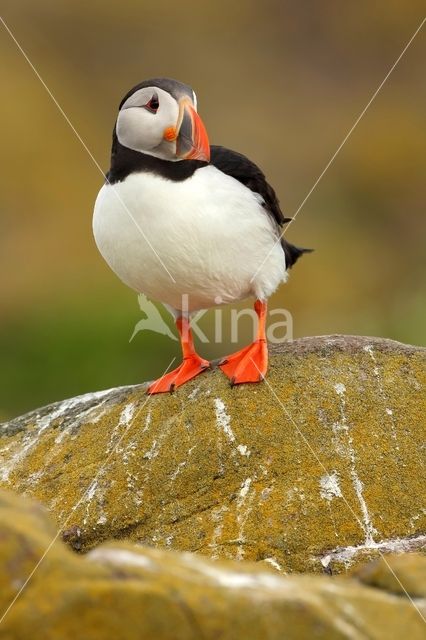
column 191, row 366
column 248, row 365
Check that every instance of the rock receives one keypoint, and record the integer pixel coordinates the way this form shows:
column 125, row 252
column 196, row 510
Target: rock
column 405, row 574
column 318, row 468
column 129, row 592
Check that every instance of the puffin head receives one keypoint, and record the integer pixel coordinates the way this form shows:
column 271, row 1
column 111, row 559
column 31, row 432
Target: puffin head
column 159, row 117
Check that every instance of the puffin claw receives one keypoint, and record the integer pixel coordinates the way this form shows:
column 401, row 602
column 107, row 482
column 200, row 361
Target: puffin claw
column 191, row 366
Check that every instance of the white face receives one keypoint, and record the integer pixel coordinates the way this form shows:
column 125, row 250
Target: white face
column 143, row 120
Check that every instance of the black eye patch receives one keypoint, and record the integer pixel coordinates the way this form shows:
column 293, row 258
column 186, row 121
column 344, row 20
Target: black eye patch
column 153, row 104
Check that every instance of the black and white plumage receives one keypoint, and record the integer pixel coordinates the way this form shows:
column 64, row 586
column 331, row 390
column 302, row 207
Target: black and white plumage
column 180, row 219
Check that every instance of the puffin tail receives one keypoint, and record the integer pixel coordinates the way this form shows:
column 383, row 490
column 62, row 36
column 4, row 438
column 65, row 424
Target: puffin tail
column 292, row 253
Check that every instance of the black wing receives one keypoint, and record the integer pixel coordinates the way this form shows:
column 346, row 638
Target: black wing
column 248, row 173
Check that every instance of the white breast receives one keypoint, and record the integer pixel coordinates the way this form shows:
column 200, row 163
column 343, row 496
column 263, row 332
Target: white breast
column 204, row 237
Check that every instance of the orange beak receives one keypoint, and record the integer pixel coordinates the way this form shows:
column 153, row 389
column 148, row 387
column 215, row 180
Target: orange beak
column 192, row 141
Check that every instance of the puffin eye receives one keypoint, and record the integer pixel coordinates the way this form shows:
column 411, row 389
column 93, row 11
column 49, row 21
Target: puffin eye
column 153, row 104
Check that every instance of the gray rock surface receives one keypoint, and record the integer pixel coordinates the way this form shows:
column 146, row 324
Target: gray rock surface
column 318, row 468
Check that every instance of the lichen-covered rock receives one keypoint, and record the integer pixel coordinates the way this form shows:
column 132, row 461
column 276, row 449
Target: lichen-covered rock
column 319, row 467
column 129, row 592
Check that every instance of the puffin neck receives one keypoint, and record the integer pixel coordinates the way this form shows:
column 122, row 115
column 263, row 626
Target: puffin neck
column 125, row 161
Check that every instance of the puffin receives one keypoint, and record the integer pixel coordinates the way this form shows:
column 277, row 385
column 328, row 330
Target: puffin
column 189, row 224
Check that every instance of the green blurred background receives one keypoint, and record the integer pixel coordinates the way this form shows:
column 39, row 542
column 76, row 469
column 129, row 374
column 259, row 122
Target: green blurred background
column 279, row 81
